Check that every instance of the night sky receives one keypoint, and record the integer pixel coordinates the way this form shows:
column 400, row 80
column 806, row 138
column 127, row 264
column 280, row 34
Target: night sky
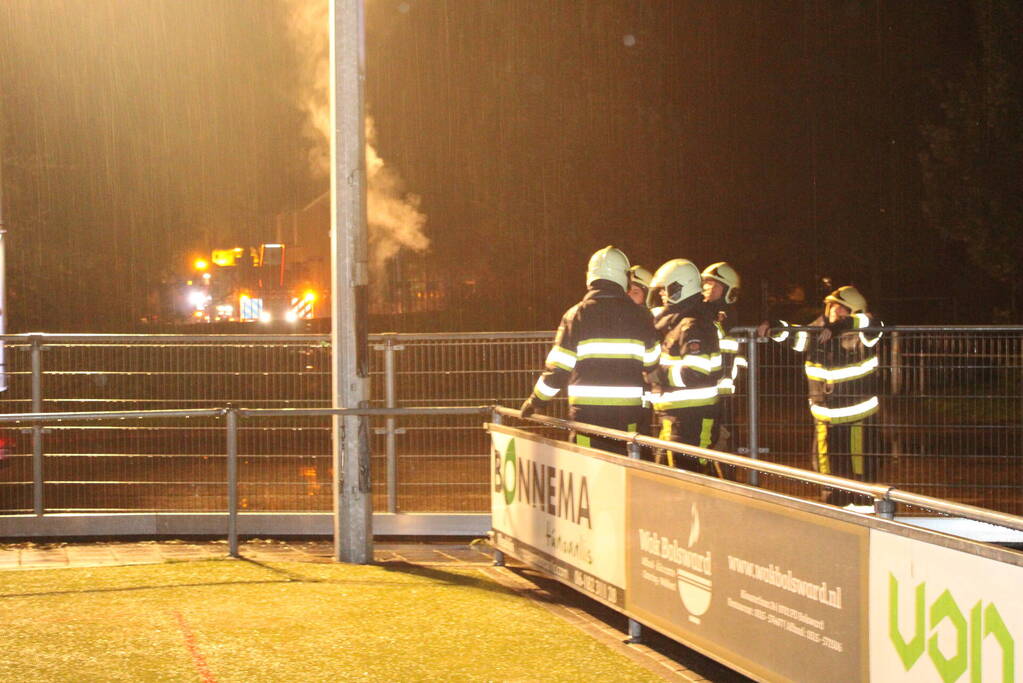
column 783, row 137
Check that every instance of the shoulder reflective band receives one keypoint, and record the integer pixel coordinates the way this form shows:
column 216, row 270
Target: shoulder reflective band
column 561, row 358
column 685, row 398
column 544, row 390
column 603, row 395
column 843, row 374
column 729, row 345
column 705, row 363
column 783, row 335
column 726, row 385
column 864, row 321
column 799, row 345
column 670, row 361
column 852, row 413
column 610, row 348
column 652, row 355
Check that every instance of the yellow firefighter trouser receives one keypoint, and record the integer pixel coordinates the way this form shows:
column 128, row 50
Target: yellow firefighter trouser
column 839, row 450
column 695, row 426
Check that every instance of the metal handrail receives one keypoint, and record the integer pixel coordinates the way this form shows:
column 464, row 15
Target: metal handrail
column 17, row 418
column 884, row 495
column 368, row 412
column 232, row 415
column 377, row 337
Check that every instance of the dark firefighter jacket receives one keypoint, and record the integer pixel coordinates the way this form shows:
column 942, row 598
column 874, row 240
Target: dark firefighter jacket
column 602, row 349
column 842, row 372
column 690, row 362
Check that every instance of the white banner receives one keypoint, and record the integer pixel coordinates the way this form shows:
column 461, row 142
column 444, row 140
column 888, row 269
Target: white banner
column 942, row 615
column 563, row 509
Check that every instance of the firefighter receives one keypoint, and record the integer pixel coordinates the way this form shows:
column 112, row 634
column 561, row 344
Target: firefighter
column 604, row 346
column 721, row 285
column 639, row 284
column 841, row 372
column 639, row 290
column 684, row 392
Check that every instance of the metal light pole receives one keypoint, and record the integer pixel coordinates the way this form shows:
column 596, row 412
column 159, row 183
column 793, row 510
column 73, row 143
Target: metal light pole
column 353, row 512
column 3, row 279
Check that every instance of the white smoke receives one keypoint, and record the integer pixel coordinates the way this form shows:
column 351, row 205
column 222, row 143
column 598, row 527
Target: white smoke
column 393, row 215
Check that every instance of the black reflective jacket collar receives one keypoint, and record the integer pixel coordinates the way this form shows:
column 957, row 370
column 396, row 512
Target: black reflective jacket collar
column 604, row 289
column 688, row 308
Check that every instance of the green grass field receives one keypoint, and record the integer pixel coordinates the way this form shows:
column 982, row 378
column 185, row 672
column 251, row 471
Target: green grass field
column 236, row 620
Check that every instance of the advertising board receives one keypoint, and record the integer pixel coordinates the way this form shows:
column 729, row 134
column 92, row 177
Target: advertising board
column 775, row 591
column 560, row 510
column 938, row 614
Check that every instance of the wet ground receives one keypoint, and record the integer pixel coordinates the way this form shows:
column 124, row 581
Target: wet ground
column 656, row 653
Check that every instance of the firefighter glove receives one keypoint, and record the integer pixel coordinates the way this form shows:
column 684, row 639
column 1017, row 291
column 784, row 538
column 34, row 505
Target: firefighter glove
column 527, row 408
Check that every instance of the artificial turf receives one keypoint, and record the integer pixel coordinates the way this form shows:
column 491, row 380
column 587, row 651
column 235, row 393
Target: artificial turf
column 238, row 620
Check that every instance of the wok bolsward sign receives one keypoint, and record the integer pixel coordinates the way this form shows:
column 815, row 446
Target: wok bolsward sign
column 743, row 580
column 561, row 510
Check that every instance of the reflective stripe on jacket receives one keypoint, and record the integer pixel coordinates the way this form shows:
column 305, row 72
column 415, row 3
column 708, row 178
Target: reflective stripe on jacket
column 603, row 346
column 690, row 364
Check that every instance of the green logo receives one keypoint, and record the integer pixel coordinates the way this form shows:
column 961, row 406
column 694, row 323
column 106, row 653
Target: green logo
column 970, row 633
column 504, row 472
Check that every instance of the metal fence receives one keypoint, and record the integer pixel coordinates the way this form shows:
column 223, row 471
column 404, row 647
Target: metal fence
column 419, row 464
column 951, row 420
column 951, row 417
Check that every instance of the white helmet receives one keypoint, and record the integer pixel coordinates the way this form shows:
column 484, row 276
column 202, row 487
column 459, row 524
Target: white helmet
column 726, row 275
column 849, row 297
column 679, row 277
column 611, row 264
column 640, row 276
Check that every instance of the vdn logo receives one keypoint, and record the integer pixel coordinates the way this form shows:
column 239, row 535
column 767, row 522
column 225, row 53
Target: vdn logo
column 971, row 634
column 504, row 472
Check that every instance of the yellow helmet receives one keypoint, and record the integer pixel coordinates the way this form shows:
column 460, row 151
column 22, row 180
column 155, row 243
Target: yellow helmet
column 611, row 264
column 849, row 297
column 679, row 277
column 726, row 275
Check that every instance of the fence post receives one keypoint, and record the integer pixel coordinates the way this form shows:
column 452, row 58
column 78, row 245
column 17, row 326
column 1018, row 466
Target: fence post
column 635, row 628
column 37, row 428
column 390, row 429
column 753, row 391
column 232, row 479
column 635, row 632
column 390, row 401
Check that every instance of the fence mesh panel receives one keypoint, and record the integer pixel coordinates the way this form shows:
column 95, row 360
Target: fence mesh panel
column 950, row 423
column 951, row 419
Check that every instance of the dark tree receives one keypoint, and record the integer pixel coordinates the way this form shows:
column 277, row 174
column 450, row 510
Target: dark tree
column 973, row 161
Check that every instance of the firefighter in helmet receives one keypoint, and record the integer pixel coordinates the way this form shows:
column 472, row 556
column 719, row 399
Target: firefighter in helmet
column 721, row 284
column 639, row 284
column 603, row 348
column 684, row 392
column 841, row 371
